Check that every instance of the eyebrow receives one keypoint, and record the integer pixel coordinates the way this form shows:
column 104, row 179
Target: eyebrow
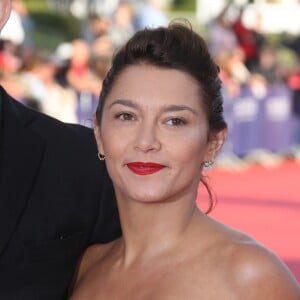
column 168, row 108
column 124, row 102
column 171, row 108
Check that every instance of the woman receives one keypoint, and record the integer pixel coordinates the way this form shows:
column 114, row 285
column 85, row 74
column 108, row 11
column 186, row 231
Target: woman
column 159, row 123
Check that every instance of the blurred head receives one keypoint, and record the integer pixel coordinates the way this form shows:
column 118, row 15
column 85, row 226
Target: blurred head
column 98, row 25
column 80, row 52
column 124, row 14
column 5, row 8
column 103, row 46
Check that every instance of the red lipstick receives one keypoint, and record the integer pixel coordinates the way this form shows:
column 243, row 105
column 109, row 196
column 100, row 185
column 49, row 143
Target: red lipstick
column 144, row 168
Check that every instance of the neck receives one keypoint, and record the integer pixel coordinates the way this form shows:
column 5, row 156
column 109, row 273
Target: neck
column 152, row 229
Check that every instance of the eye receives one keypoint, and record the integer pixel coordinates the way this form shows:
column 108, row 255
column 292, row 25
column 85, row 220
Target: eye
column 176, row 122
column 125, row 116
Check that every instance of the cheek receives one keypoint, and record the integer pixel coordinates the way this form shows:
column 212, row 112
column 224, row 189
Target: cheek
column 190, row 149
column 114, row 142
column 110, row 145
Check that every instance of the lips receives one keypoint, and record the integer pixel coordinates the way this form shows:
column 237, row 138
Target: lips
column 142, row 168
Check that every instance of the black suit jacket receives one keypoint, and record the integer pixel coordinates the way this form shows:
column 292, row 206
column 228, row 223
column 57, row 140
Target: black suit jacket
column 55, row 199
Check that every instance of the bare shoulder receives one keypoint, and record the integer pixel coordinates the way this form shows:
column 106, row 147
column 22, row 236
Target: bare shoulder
column 91, row 256
column 255, row 272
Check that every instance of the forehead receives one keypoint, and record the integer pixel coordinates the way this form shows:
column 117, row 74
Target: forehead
column 156, row 84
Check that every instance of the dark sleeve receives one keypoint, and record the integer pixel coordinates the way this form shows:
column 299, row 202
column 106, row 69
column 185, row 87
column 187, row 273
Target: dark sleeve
column 107, row 227
column 100, row 189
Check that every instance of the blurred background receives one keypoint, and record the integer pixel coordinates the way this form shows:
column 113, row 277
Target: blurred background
column 54, row 55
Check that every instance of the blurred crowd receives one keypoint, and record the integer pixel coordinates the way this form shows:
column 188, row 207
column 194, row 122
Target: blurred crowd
column 65, row 83
column 261, row 88
column 261, row 91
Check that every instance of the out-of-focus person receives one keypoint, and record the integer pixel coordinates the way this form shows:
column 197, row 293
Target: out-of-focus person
column 122, row 26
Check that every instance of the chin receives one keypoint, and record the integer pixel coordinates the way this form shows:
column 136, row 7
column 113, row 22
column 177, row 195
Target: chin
column 146, row 197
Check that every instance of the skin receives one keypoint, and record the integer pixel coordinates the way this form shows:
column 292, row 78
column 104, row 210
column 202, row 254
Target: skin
column 169, row 249
column 5, row 9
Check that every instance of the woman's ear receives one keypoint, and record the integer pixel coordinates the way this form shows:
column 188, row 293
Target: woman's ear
column 97, row 133
column 215, row 143
column 5, row 9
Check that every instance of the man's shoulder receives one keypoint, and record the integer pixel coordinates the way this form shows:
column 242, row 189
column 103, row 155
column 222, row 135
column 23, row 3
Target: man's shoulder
column 45, row 126
column 63, row 142
column 57, row 129
column 65, row 135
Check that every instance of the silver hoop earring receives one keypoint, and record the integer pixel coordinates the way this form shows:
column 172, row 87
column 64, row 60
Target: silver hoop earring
column 208, row 164
column 101, row 156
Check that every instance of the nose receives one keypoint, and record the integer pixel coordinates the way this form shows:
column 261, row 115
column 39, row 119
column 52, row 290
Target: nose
column 147, row 138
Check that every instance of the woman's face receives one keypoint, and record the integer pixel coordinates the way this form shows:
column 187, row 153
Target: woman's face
column 5, row 7
column 154, row 133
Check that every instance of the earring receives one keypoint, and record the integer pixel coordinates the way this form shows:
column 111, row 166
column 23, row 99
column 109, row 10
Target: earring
column 208, row 164
column 101, row 156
